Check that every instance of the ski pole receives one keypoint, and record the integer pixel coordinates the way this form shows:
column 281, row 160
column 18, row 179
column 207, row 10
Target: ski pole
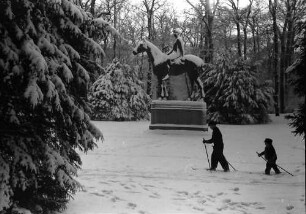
column 231, row 165
column 276, row 165
column 207, row 155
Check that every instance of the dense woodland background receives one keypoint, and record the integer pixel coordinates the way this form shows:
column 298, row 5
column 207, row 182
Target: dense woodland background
column 65, row 62
column 261, row 32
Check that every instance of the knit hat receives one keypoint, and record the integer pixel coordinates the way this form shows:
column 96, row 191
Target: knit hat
column 268, row 140
column 212, row 123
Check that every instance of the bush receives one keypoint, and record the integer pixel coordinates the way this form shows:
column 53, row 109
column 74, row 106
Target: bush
column 234, row 94
column 118, row 95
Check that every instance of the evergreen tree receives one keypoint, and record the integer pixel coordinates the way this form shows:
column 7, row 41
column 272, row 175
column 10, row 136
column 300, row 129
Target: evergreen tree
column 43, row 109
column 297, row 74
column 234, row 94
column 118, row 94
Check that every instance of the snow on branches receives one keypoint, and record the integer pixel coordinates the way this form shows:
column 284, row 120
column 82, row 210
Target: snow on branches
column 43, row 108
column 118, row 94
column 234, row 94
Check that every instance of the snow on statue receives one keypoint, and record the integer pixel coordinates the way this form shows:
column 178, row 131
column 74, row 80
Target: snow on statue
column 163, row 66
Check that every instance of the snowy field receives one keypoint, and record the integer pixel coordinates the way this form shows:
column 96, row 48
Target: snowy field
column 137, row 170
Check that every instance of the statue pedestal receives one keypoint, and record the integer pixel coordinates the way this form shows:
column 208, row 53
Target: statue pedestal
column 181, row 115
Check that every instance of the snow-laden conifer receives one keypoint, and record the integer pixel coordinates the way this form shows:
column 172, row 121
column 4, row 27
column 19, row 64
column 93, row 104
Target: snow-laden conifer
column 43, row 105
column 234, row 93
column 118, row 94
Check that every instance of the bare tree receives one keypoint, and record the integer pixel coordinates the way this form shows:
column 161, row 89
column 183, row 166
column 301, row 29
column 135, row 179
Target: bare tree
column 291, row 10
column 245, row 24
column 151, row 6
column 237, row 16
column 254, row 25
column 273, row 9
column 207, row 17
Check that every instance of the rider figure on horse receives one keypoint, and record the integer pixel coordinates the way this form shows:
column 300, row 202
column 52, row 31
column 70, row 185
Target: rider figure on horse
column 178, row 46
column 177, row 52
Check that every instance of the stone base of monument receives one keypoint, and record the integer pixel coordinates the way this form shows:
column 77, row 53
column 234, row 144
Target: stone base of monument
column 180, row 115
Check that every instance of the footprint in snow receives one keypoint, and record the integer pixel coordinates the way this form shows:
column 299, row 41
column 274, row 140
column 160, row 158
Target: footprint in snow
column 155, row 195
column 289, row 207
column 260, row 208
column 236, row 189
column 131, row 205
column 222, row 208
column 97, row 194
column 211, row 196
column 182, row 192
column 203, row 201
column 148, row 185
column 197, row 193
column 108, row 192
column 103, row 182
column 227, row 200
column 115, row 199
column 198, row 209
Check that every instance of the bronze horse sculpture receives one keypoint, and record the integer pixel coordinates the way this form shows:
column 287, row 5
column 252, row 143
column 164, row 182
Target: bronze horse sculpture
column 192, row 66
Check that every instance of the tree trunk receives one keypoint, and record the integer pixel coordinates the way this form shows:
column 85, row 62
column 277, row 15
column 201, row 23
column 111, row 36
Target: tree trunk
column 238, row 39
column 257, row 38
column 254, row 37
column 202, row 48
column 245, row 26
column 115, row 26
column 289, row 44
column 245, row 43
column 210, row 40
column 92, row 7
column 273, row 7
column 282, row 72
column 237, row 19
column 209, row 47
column 286, row 50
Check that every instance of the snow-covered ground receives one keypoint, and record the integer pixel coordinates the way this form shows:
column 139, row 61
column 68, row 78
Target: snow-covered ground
column 137, row 170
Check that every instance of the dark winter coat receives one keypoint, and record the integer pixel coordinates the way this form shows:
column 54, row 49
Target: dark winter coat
column 216, row 139
column 269, row 154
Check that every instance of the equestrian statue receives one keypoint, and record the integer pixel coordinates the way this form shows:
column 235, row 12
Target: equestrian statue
column 172, row 64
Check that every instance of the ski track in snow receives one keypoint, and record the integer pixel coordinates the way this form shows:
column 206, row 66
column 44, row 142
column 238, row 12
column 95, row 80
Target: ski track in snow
column 137, row 170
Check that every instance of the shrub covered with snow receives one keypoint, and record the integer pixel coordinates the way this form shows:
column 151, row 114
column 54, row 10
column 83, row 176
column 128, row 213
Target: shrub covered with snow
column 118, row 94
column 43, row 110
column 234, row 94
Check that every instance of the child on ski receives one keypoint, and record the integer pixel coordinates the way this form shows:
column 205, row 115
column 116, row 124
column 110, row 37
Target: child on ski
column 270, row 156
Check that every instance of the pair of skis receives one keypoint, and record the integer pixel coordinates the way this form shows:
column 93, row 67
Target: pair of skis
column 209, row 161
column 236, row 170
